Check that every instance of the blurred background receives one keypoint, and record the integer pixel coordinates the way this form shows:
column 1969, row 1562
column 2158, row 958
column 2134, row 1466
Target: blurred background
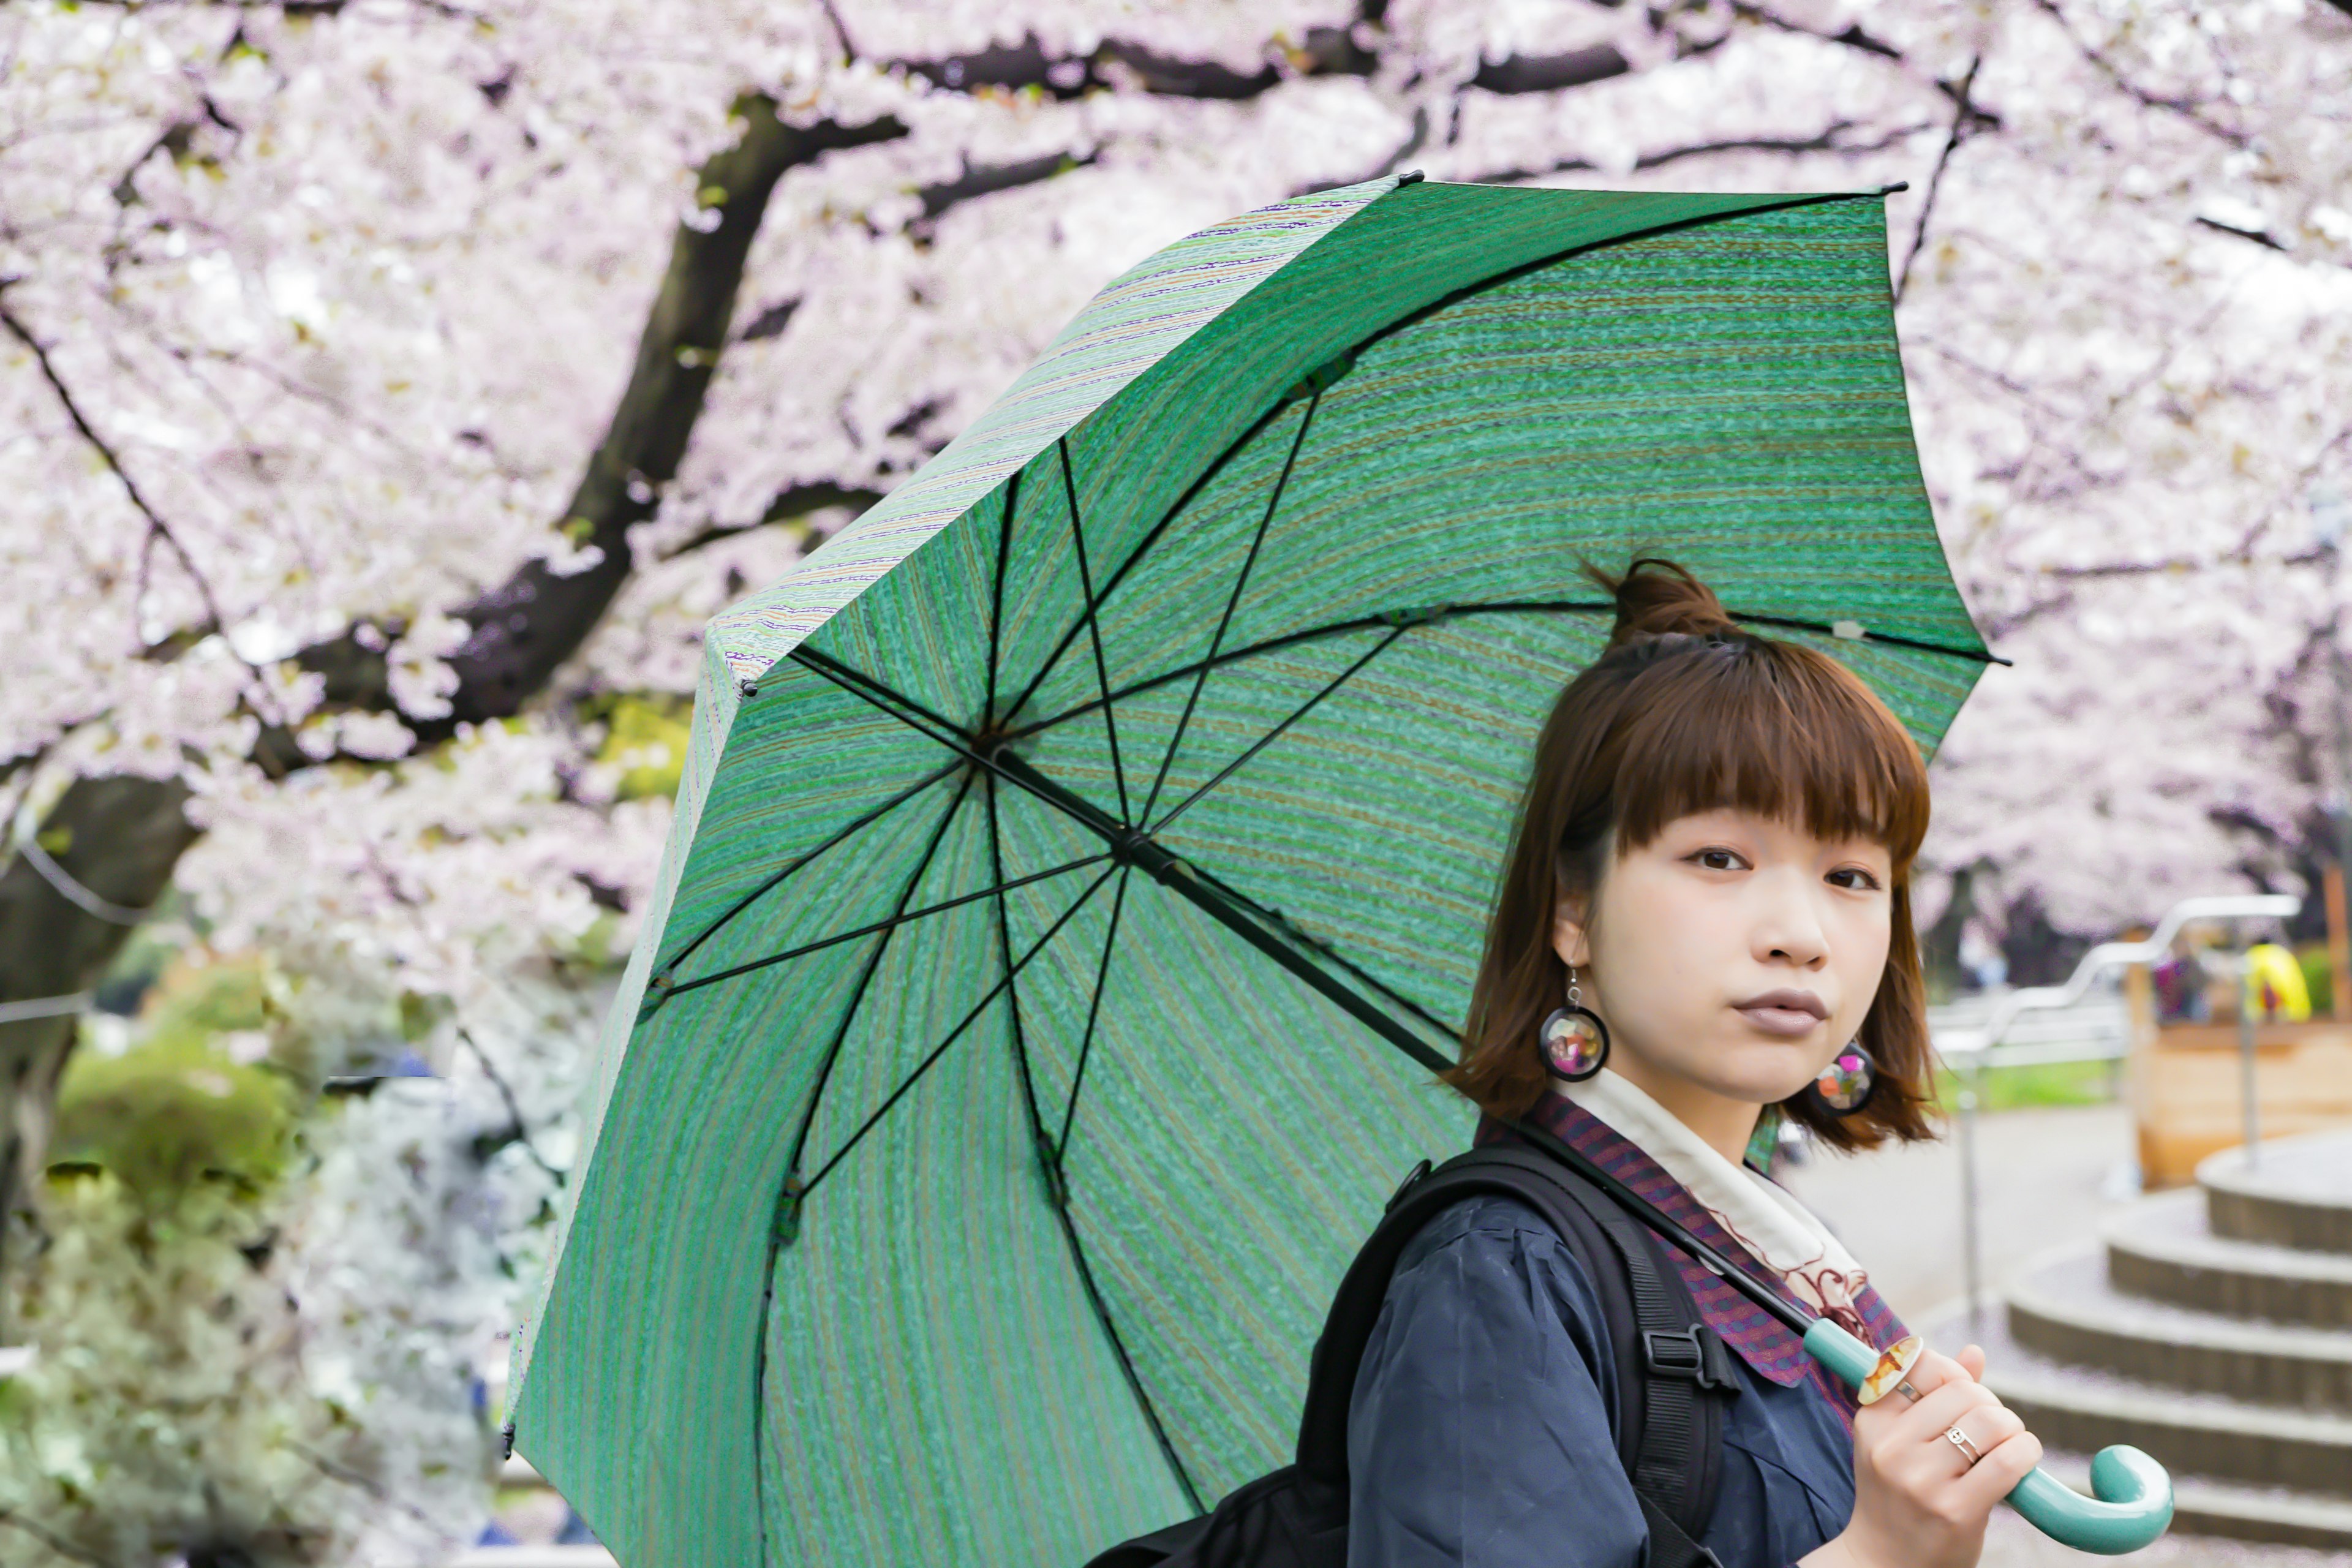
column 389, row 389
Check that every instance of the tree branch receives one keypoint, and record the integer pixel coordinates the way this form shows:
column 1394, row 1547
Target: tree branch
column 787, row 505
column 516, row 1131
column 1961, row 119
column 2187, row 109
column 986, row 180
column 528, row 626
column 1551, row 73
column 55, row 1544
column 2257, row 235
column 156, row 527
column 1824, row 141
column 1027, row 66
column 122, row 835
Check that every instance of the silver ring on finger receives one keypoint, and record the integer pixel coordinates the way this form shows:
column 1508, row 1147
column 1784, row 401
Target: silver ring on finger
column 1960, row 1439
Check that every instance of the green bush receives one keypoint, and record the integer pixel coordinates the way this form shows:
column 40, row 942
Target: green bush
column 169, row 1114
column 178, row 1109
column 646, row 738
column 2318, row 977
column 2042, row 1083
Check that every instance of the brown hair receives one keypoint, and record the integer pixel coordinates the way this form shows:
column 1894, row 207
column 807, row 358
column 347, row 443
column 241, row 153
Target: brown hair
column 1685, row 713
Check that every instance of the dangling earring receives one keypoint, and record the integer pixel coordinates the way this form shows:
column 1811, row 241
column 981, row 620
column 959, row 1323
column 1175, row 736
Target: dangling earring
column 1844, row 1086
column 1575, row 1041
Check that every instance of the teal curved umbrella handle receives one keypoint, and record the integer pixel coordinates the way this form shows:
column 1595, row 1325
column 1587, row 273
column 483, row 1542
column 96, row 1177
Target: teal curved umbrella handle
column 2134, row 1501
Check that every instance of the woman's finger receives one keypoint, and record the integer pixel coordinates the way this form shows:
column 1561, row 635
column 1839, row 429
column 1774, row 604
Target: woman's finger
column 1972, row 1360
column 1927, row 1421
column 1984, row 1429
column 1990, row 1425
column 1932, row 1371
column 1997, row 1475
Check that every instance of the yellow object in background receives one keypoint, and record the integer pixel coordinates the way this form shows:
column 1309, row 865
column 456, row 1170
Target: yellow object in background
column 2274, row 987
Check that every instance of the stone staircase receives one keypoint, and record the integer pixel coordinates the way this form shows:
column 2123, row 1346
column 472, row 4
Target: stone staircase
column 2214, row 1327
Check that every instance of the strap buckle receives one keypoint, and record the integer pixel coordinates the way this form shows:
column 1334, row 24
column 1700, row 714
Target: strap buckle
column 1413, row 1179
column 1696, row 1353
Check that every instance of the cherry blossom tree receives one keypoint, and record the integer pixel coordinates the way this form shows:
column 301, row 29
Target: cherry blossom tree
column 390, row 389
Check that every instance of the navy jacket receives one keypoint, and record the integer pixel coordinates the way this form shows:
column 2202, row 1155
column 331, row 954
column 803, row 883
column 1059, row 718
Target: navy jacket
column 1482, row 1433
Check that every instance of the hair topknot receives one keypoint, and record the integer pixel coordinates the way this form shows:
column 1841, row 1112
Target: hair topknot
column 1687, row 713
column 1656, row 597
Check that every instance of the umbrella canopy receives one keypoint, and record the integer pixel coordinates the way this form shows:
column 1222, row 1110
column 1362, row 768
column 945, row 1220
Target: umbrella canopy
column 970, row 1157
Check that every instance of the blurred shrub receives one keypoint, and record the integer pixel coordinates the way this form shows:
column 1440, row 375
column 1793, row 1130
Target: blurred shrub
column 219, row 1380
column 166, row 1416
column 2036, row 1084
column 197, row 1097
column 645, row 740
column 2318, row 977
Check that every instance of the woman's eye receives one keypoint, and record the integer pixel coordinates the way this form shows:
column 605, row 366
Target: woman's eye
column 1855, row 878
column 1719, row 859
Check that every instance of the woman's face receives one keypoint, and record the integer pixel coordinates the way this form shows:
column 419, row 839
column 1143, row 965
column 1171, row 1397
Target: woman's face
column 1732, row 957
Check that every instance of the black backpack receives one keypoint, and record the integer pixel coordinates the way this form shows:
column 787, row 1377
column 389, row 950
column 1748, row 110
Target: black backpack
column 1674, row 1375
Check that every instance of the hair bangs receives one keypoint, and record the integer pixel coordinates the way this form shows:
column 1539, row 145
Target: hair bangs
column 1686, row 711
column 1772, row 728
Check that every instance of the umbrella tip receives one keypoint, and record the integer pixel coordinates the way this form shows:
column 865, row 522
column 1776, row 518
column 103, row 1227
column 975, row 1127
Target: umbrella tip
column 1410, row 177
column 1897, row 185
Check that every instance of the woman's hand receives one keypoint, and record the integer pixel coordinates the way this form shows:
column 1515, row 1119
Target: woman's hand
column 1918, row 1500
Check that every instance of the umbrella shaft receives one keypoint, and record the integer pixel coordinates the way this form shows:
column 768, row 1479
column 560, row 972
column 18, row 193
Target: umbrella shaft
column 1133, row 846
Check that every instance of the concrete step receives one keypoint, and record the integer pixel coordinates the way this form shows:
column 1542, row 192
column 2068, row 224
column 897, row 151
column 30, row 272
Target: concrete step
column 2206, row 1507
column 2204, row 1436
column 2160, row 1249
column 2298, row 1192
column 2065, row 1311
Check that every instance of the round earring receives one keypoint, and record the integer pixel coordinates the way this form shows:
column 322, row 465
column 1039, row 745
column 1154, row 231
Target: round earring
column 1575, row 1041
column 1844, row 1086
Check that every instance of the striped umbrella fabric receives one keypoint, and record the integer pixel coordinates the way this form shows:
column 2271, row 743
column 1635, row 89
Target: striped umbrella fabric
column 991, row 1106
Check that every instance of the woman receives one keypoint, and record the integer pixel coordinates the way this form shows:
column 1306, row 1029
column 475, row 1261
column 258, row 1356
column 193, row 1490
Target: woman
column 1703, row 927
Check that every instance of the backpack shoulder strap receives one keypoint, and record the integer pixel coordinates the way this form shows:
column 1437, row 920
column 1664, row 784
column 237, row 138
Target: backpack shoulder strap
column 1672, row 1370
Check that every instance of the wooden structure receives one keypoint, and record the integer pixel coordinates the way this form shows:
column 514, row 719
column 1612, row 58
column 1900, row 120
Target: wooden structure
column 2182, row 1081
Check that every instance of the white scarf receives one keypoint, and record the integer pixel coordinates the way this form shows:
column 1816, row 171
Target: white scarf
column 1767, row 1221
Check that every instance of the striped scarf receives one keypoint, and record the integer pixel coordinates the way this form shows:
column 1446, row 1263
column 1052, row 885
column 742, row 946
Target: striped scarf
column 1758, row 1338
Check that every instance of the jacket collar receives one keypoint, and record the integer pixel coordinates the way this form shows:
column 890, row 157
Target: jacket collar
column 1758, row 1338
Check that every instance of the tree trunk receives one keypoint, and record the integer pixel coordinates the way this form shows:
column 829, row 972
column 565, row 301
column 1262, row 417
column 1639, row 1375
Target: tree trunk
column 120, row 836
column 115, row 839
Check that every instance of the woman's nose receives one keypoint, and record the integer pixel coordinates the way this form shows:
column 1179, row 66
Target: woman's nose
column 1791, row 932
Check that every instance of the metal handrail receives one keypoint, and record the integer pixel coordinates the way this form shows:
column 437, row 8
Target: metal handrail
column 2122, row 956
column 2107, row 956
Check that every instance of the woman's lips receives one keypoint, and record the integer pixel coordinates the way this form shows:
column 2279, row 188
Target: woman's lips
column 1789, row 1014
column 1789, row 1023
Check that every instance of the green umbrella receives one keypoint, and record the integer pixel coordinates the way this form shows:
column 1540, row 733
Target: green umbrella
column 970, row 1158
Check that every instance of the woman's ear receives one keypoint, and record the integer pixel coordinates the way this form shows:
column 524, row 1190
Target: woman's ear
column 1567, row 933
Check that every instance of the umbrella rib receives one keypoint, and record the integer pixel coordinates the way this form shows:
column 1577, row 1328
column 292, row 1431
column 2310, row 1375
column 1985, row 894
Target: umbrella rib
column 1110, row 584
column 866, row 978
column 1094, row 1012
column 1093, row 628
column 1126, row 1365
column 790, row 1192
column 1289, row 927
column 1356, row 348
column 994, row 761
column 912, row 1078
column 996, row 599
column 859, row 684
column 1263, row 742
column 865, row 686
column 1437, row 612
column 1012, row 992
column 1233, row 603
column 748, row 899
column 924, row 914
